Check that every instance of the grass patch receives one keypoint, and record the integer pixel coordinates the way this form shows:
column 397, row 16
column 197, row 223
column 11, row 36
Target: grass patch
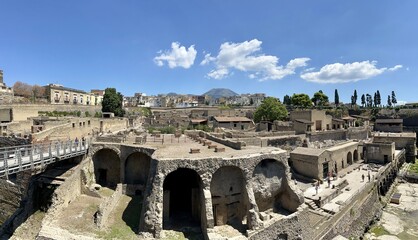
column 379, row 231
column 414, row 168
column 124, row 220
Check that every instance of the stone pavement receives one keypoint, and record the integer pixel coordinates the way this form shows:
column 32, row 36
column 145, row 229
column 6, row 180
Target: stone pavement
column 351, row 183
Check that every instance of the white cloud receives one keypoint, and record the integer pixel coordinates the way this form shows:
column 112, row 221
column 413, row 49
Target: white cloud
column 348, row 72
column 395, row 68
column 178, row 56
column 243, row 56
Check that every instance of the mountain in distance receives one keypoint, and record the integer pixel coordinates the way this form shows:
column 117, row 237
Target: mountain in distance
column 220, row 92
column 173, row 94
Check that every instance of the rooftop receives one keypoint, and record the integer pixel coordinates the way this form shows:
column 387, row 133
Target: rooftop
column 390, row 120
column 388, row 134
column 308, row 151
column 179, row 148
column 342, row 145
column 232, row 119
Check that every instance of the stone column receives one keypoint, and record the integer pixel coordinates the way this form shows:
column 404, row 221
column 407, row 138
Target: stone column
column 253, row 218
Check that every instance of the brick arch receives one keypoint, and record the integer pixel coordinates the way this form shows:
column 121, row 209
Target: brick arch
column 136, row 168
column 355, row 155
column 349, row 158
column 183, row 200
column 106, row 164
column 229, row 196
column 94, row 149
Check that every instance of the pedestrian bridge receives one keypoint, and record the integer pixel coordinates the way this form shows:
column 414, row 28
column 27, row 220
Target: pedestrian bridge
column 19, row 158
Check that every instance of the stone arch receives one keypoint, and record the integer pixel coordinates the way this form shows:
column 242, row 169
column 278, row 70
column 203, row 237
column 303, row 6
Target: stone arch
column 355, row 155
column 229, row 197
column 349, row 158
column 106, row 164
column 182, row 199
column 137, row 167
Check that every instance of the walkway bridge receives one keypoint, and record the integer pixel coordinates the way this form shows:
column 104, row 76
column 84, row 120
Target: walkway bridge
column 19, row 158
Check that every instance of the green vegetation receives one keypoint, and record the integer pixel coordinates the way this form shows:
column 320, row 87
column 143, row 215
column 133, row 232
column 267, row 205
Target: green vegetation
column 145, row 111
column 320, row 99
column 125, row 219
column 301, row 100
column 98, row 115
column 204, row 128
column 414, row 168
column 224, row 107
column 270, row 109
column 112, row 102
column 379, row 231
column 87, row 114
column 58, row 113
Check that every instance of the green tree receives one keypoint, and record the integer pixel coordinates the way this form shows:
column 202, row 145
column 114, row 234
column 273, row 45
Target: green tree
column 251, row 101
column 363, row 100
column 336, row 98
column 355, row 97
column 320, row 99
column 112, row 102
column 287, row 100
column 369, row 100
column 270, row 109
column 301, row 100
column 394, row 101
column 389, row 101
column 378, row 98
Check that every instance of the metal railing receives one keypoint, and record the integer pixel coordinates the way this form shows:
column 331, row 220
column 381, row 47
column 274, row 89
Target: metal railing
column 19, row 158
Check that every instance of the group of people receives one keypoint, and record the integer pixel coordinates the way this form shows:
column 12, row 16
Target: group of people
column 83, row 141
column 368, row 176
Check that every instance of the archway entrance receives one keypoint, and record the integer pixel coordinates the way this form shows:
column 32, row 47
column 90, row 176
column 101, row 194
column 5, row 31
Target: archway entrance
column 182, row 199
column 355, row 155
column 106, row 164
column 229, row 197
column 349, row 158
column 136, row 171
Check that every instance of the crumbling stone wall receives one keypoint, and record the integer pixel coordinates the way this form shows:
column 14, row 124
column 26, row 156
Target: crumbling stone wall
column 10, row 196
column 152, row 210
column 227, row 142
column 294, row 226
column 356, row 217
column 67, row 192
column 106, row 207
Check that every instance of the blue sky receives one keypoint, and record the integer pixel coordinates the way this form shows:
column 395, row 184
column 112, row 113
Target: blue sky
column 275, row 47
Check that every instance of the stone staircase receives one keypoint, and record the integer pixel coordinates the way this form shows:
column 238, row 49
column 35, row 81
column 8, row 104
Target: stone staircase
column 312, row 205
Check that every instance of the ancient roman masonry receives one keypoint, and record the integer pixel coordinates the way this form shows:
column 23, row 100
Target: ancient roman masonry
column 236, row 187
column 19, row 158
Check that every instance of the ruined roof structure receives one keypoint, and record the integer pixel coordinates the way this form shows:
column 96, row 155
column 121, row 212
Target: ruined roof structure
column 193, row 183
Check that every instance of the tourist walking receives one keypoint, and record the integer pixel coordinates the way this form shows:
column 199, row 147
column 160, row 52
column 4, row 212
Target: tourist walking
column 362, row 177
